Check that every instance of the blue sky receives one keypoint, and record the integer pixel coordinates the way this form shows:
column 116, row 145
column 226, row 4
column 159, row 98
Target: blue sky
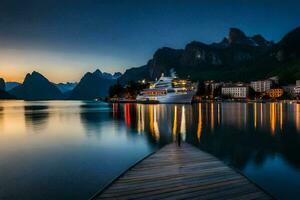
column 64, row 39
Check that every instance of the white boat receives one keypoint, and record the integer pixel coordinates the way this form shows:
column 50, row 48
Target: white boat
column 168, row 90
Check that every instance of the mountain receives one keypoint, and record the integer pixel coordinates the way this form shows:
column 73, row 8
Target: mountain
column 205, row 61
column 93, row 85
column 36, row 87
column 11, row 85
column 6, row 95
column 285, row 57
column 135, row 74
column 289, row 46
column 3, row 93
column 237, row 57
column 116, row 75
column 2, row 84
column 236, row 36
column 66, row 87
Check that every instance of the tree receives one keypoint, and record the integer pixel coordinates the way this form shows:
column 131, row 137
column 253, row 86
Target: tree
column 134, row 88
column 116, row 90
column 131, row 90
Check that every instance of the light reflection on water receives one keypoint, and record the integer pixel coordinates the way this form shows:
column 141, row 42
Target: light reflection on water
column 64, row 149
column 262, row 140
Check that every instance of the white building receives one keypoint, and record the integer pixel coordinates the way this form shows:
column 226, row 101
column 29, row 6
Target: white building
column 297, row 91
column 294, row 90
column 289, row 89
column 261, row 85
column 235, row 91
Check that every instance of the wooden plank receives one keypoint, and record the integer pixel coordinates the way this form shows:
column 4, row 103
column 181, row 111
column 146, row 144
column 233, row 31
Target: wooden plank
column 181, row 173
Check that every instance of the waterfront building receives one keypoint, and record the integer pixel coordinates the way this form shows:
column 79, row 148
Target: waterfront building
column 261, row 85
column 293, row 90
column 239, row 91
column 297, row 91
column 289, row 89
column 275, row 92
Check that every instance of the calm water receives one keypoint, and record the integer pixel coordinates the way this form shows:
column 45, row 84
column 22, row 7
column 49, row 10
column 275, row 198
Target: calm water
column 70, row 149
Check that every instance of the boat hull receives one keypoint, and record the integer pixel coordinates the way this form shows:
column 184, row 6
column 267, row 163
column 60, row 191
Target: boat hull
column 185, row 98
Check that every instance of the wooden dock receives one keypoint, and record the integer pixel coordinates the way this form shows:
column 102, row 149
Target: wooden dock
column 181, row 173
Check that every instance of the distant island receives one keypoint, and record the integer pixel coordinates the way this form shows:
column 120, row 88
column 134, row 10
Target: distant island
column 237, row 57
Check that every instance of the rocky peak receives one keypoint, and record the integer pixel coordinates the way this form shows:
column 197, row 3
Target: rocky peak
column 196, row 48
column 36, row 87
column 260, row 40
column 97, row 72
column 236, row 35
column 34, row 76
column 105, row 75
column 289, row 46
column 117, row 75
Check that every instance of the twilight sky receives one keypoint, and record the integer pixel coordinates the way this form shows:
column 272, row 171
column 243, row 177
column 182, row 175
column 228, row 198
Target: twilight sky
column 63, row 39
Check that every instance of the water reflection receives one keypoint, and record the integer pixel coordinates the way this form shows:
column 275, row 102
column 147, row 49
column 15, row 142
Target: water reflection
column 141, row 118
column 262, row 140
column 174, row 124
column 272, row 118
column 199, row 129
column 255, row 115
column 297, row 116
column 1, row 116
column 127, row 114
column 115, row 111
column 36, row 117
column 93, row 116
column 242, row 132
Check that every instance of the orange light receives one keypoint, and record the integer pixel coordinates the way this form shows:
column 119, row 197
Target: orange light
column 175, row 124
column 273, row 117
column 199, row 129
column 255, row 115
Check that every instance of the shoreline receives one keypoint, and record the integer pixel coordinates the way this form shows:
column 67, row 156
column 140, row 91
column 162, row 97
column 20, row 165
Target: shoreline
column 156, row 102
column 208, row 101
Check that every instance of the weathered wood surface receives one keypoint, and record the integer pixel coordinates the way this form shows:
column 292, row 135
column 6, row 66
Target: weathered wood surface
column 181, row 173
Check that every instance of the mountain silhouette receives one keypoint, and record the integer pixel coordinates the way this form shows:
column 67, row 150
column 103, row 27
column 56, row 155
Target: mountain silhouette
column 66, row 87
column 93, row 85
column 3, row 93
column 2, row 84
column 36, row 87
column 237, row 57
column 11, row 85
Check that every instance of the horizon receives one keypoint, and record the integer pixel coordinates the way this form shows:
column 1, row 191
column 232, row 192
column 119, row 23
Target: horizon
column 160, row 99
column 73, row 39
